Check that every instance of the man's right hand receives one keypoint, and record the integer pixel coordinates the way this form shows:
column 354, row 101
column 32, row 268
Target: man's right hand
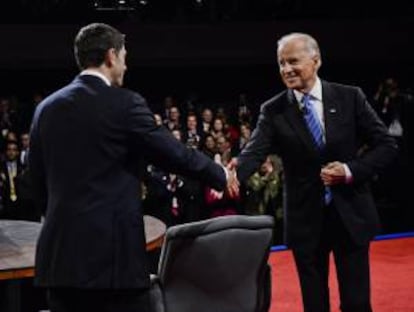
column 233, row 185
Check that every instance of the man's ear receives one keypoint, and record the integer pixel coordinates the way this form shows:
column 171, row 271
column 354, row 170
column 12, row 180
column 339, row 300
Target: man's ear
column 317, row 61
column 110, row 57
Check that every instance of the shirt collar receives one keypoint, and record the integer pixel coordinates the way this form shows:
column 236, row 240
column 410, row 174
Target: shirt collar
column 315, row 92
column 95, row 73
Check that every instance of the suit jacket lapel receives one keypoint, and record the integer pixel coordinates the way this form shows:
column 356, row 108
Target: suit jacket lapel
column 332, row 113
column 295, row 117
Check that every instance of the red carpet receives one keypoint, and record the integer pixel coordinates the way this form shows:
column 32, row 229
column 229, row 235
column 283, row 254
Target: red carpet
column 392, row 279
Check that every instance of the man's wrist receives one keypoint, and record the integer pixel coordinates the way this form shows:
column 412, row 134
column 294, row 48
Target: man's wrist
column 348, row 174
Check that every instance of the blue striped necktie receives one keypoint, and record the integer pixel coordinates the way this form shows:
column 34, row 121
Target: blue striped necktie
column 316, row 130
column 312, row 121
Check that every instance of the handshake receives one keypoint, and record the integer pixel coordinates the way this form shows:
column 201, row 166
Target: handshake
column 233, row 184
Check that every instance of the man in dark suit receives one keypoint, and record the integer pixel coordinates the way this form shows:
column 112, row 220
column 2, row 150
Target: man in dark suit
column 328, row 205
column 89, row 143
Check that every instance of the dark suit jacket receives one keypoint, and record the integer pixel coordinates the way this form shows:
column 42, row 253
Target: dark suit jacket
column 354, row 135
column 88, row 145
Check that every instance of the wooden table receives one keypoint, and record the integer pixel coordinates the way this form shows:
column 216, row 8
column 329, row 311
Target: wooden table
column 154, row 232
column 18, row 243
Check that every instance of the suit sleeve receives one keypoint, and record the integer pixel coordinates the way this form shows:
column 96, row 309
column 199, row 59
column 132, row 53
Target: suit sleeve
column 162, row 149
column 379, row 149
column 259, row 146
column 36, row 166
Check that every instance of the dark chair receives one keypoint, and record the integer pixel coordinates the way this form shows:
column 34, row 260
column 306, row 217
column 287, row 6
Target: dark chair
column 215, row 265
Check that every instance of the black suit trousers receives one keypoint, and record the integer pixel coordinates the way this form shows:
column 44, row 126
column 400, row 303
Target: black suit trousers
column 352, row 268
column 102, row 300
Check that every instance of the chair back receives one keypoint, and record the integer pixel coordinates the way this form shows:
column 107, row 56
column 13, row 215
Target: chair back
column 217, row 265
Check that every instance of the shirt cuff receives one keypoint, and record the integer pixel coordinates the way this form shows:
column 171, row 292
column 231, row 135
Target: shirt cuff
column 348, row 175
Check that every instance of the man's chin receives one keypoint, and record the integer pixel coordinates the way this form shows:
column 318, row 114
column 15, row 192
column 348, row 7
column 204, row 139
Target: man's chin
column 292, row 84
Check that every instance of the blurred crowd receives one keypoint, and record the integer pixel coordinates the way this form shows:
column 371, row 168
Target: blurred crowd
column 219, row 131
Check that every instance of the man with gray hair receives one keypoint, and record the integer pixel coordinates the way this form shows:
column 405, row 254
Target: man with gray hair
column 331, row 143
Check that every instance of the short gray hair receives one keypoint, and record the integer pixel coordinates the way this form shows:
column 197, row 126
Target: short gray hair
column 310, row 42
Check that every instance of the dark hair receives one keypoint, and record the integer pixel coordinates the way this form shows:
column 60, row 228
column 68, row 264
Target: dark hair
column 12, row 142
column 93, row 41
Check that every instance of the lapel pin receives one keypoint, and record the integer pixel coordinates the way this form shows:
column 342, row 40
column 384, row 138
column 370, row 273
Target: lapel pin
column 332, row 110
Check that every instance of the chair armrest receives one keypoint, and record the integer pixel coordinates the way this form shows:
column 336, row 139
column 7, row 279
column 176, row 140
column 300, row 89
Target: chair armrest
column 156, row 298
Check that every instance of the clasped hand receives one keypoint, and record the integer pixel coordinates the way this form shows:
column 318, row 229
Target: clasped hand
column 233, row 184
column 333, row 173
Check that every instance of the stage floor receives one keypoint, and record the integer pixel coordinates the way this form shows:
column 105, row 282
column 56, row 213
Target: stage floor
column 392, row 277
